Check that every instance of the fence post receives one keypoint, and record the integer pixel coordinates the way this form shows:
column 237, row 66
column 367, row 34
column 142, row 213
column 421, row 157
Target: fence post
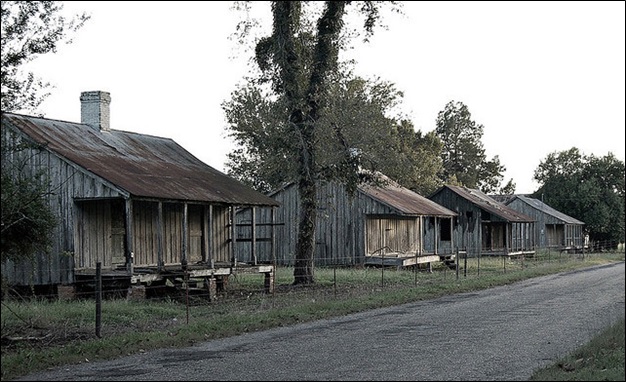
column 98, row 299
column 465, row 265
column 457, row 263
column 382, row 271
column 415, row 270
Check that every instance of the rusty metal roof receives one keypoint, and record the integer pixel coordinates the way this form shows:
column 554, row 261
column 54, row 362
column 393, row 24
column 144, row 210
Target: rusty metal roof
column 488, row 204
column 405, row 201
column 142, row 165
column 546, row 209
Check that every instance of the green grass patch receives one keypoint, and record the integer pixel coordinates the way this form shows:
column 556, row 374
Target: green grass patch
column 602, row 359
column 41, row 334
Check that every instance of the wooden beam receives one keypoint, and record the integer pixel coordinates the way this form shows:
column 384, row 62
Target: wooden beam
column 185, row 238
column 253, row 238
column 160, row 237
column 129, row 236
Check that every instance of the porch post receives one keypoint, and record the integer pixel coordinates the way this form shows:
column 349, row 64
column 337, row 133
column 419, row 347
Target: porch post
column 160, row 236
column 129, row 236
column 253, row 238
column 273, row 238
column 233, row 239
column 206, row 232
column 185, row 238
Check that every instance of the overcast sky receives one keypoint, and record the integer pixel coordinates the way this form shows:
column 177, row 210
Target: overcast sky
column 541, row 77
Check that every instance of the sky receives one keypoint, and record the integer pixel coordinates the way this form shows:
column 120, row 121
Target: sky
column 540, row 77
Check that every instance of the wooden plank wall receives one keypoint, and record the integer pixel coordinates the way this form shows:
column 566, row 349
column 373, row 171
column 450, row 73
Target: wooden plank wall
column 66, row 183
column 467, row 236
column 340, row 235
column 90, row 222
column 96, row 220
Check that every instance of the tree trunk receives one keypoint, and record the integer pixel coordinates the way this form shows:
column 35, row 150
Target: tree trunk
column 305, row 248
column 304, row 107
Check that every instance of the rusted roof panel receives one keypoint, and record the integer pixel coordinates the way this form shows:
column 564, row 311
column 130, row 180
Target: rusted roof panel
column 541, row 206
column 143, row 165
column 490, row 205
column 405, row 201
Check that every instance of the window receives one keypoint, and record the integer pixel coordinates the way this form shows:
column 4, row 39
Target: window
column 445, row 230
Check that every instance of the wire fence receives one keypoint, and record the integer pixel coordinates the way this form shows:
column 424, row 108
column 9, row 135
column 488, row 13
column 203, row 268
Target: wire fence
column 182, row 301
column 234, row 284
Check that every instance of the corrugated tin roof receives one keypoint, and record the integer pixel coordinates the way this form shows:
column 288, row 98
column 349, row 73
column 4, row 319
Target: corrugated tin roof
column 143, row 165
column 405, row 201
column 489, row 204
column 504, row 199
column 541, row 206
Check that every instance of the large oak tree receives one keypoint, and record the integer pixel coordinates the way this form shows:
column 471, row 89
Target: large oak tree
column 357, row 128
column 299, row 60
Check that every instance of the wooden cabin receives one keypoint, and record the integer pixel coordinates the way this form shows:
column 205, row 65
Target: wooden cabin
column 140, row 206
column 486, row 226
column 553, row 229
column 378, row 225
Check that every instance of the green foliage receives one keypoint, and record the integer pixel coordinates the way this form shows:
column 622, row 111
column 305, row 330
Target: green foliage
column 415, row 159
column 509, row 188
column 463, row 155
column 27, row 222
column 266, row 157
column 298, row 61
column 29, row 29
column 602, row 359
column 356, row 128
column 588, row 188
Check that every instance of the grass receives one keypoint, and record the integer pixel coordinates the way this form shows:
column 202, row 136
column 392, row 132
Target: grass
column 40, row 334
column 602, row 359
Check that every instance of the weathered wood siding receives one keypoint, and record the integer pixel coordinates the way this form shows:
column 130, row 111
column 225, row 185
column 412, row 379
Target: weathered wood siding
column 438, row 237
column 392, row 235
column 550, row 231
column 67, row 183
column 92, row 225
column 467, row 232
column 347, row 229
column 480, row 232
column 339, row 236
column 99, row 233
column 220, row 236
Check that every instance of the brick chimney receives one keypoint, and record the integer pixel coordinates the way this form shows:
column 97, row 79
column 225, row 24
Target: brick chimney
column 94, row 109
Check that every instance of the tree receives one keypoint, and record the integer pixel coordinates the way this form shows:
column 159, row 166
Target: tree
column 358, row 111
column 298, row 61
column 30, row 29
column 415, row 159
column 27, row 222
column 588, row 188
column 463, row 154
column 509, row 188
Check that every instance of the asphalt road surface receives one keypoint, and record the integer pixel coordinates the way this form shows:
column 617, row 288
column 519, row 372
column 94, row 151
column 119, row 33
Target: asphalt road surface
column 503, row 333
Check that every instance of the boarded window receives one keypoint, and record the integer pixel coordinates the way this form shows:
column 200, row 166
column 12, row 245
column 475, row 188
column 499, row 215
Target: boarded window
column 445, row 229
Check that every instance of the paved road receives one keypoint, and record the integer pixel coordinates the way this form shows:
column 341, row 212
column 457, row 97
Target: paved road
column 503, row 333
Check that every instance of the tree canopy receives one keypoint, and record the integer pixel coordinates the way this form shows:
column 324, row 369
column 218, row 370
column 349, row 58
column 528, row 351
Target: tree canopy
column 30, row 29
column 588, row 188
column 463, row 155
column 357, row 119
column 299, row 63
